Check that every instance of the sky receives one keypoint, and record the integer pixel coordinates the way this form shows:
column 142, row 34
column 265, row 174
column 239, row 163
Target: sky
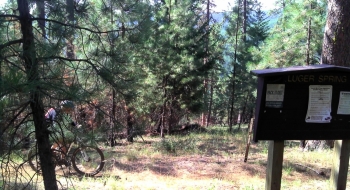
column 221, row 5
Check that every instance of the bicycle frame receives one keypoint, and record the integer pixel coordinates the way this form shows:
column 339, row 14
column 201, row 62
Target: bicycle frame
column 86, row 160
column 82, row 149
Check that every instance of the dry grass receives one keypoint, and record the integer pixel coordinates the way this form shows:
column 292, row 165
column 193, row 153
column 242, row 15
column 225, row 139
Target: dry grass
column 211, row 160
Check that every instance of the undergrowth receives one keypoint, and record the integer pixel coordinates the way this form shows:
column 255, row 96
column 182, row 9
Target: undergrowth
column 137, row 165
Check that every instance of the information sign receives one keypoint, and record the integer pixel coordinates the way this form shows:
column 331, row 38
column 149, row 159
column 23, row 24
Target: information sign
column 344, row 103
column 320, row 104
column 274, row 95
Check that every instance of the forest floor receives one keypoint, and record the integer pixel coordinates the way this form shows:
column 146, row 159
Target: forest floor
column 202, row 161
column 206, row 161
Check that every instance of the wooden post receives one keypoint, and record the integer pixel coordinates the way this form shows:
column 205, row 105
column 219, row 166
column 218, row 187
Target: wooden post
column 250, row 130
column 340, row 164
column 274, row 165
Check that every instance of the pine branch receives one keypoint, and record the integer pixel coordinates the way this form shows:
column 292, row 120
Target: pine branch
column 5, row 16
column 95, row 68
column 84, row 28
column 23, row 108
column 2, row 46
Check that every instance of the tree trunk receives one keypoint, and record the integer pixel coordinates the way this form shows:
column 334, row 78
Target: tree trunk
column 41, row 7
column 36, row 104
column 231, row 113
column 210, row 100
column 205, row 100
column 308, row 42
column 70, row 13
column 170, row 118
column 114, row 106
column 2, row 141
column 245, row 20
column 205, row 113
column 162, row 125
column 336, row 46
column 243, row 111
column 112, row 120
column 129, row 122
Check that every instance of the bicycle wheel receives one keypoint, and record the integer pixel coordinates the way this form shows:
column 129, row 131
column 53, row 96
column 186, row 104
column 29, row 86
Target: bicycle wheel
column 34, row 161
column 88, row 160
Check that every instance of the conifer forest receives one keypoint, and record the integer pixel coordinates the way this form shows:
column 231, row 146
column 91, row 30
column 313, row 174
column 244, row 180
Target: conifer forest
column 132, row 67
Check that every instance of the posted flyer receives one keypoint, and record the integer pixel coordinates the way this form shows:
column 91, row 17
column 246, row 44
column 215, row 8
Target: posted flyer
column 319, row 107
column 274, row 95
column 344, row 103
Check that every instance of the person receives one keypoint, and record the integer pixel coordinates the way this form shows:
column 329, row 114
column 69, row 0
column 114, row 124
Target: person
column 50, row 114
column 67, row 107
column 62, row 135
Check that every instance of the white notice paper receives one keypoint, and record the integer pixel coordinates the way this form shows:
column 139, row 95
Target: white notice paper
column 344, row 103
column 320, row 100
column 274, row 95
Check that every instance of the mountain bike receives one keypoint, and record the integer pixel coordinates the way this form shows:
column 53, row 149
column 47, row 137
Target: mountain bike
column 86, row 160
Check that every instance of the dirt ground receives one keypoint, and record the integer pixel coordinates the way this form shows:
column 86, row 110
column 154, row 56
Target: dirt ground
column 131, row 167
column 202, row 172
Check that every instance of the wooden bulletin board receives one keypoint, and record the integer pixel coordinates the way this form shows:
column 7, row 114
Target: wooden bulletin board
column 303, row 103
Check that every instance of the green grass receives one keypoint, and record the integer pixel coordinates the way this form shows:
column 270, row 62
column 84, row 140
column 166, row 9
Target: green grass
column 287, row 169
column 202, row 160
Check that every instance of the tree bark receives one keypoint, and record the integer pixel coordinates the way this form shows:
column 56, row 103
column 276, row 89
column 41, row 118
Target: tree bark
column 41, row 7
column 163, row 115
column 210, row 100
column 336, row 46
column 308, row 42
column 245, row 20
column 70, row 14
column 2, row 142
column 170, row 118
column 231, row 113
column 129, row 124
column 162, row 125
column 36, row 103
column 205, row 113
column 243, row 111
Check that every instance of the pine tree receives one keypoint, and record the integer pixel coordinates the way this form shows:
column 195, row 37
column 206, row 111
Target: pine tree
column 336, row 35
column 296, row 39
column 41, row 66
column 239, row 52
column 335, row 51
column 175, row 61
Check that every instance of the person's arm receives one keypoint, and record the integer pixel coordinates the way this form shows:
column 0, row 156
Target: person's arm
column 50, row 114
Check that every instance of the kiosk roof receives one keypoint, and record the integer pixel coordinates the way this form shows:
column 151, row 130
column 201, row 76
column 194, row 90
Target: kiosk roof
column 299, row 69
